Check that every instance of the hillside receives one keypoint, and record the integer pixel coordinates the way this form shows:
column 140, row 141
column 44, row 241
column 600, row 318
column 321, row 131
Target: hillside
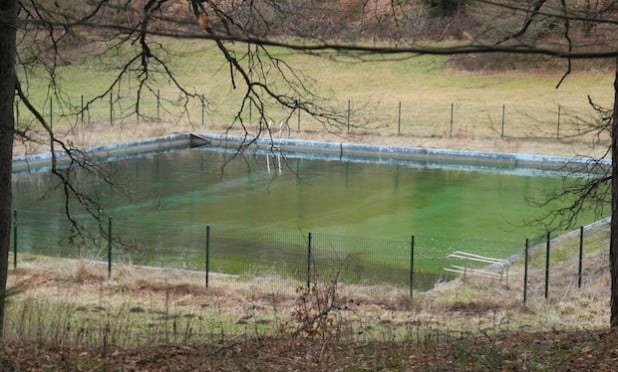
column 410, row 22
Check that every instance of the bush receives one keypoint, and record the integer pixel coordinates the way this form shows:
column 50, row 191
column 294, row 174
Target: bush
column 444, row 8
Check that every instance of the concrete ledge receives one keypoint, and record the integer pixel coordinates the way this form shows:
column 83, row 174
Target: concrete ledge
column 507, row 160
column 344, row 151
column 107, row 152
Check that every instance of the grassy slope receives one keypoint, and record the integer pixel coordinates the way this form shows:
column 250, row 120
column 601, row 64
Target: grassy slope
column 424, row 85
column 71, row 316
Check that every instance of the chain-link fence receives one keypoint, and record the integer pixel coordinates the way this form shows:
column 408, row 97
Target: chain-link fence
column 577, row 257
column 450, row 119
column 417, row 263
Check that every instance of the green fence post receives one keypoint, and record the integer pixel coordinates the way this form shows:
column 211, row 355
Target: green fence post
column 349, row 114
column 298, row 115
column 451, row 121
column 111, row 108
column 203, row 109
column 15, row 239
column 547, row 265
column 399, row 120
column 158, row 105
column 109, row 247
column 526, row 270
column 581, row 256
column 558, row 124
column 207, row 253
column 309, row 261
column 411, row 264
column 51, row 112
column 503, row 115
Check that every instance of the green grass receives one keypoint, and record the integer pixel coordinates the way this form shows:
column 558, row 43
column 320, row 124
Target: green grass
column 425, row 86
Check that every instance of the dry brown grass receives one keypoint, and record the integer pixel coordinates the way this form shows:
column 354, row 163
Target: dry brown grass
column 101, row 134
column 234, row 303
column 423, row 86
column 71, row 316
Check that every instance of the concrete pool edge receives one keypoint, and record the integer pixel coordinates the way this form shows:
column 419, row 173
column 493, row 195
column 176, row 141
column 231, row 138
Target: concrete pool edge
column 148, row 145
column 184, row 140
column 549, row 162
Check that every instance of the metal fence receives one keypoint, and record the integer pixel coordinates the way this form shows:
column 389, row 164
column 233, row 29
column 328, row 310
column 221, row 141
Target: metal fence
column 450, row 119
column 306, row 256
column 582, row 254
column 417, row 263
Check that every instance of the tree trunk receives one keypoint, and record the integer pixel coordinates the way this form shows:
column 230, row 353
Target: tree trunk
column 8, row 50
column 613, row 243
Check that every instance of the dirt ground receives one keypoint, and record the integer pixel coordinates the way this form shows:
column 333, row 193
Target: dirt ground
column 592, row 351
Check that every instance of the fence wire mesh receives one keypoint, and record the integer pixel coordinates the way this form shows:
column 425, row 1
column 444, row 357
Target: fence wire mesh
column 360, row 259
column 306, row 257
column 460, row 118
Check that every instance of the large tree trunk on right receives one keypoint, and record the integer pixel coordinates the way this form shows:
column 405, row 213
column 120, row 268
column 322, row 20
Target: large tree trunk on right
column 8, row 50
column 613, row 243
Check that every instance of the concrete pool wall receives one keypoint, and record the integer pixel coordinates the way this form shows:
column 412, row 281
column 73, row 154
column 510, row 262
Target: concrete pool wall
column 340, row 150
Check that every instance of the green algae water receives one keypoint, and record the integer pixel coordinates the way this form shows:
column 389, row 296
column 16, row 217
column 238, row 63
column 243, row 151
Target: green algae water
column 261, row 209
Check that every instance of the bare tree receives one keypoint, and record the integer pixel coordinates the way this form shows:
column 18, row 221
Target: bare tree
column 8, row 50
column 43, row 33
